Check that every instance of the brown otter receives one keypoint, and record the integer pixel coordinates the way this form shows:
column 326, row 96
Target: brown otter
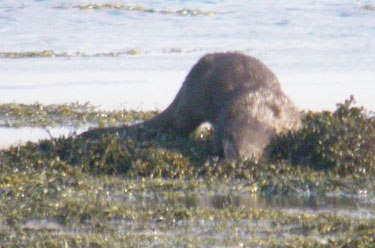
column 238, row 95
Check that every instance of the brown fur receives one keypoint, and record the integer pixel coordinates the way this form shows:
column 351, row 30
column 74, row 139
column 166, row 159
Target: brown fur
column 238, row 95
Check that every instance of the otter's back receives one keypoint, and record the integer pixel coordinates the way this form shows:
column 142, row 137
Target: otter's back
column 218, row 77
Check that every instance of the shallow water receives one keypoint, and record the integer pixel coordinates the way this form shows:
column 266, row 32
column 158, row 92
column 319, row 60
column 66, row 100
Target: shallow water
column 246, row 230
column 320, row 50
column 355, row 206
column 18, row 136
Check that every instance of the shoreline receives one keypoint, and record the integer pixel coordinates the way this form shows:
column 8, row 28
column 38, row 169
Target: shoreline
column 19, row 133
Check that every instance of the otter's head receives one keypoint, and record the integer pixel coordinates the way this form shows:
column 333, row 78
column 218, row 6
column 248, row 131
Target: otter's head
column 246, row 140
column 251, row 120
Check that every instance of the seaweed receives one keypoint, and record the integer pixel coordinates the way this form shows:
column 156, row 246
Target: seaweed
column 137, row 8
column 343, row 140
column 143, row 189
column 53, row 54
column 74, row 114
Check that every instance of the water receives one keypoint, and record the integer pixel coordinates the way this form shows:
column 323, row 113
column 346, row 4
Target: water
column 19, row 135
column 318, row 208
column 322, row 51
column 350, row 205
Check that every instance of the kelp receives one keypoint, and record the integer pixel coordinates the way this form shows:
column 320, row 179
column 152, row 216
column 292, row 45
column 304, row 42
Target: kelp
column 54, row 54
column 143, row 9
column 143, row 189
column 341, row 143
column 74, row 114
column 343, row 140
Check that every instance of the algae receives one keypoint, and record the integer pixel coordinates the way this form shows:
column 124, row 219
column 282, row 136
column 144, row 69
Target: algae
column 74, row 114
column 53, row 54
column 368, row 7
column 145, row 190
column 343, row 140
column 79, row 54
column 142, row 9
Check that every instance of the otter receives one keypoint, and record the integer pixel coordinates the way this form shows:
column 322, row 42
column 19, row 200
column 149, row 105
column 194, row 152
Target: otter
column 238, row 95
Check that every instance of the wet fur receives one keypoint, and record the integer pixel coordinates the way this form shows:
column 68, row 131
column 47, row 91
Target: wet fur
column 238, row 95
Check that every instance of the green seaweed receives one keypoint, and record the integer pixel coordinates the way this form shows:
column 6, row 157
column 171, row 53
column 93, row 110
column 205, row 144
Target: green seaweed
column 144, row 190
column 343, row 140
column 368, row 7
column 137, row 8
column 53, row 54
column 79, row 54
column 38, row 115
